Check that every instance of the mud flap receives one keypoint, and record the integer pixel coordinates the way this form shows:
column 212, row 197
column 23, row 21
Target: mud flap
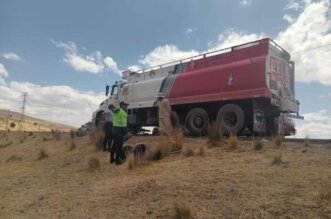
column 259, row 120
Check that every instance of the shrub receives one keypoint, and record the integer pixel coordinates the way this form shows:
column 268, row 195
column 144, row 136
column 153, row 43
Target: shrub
column 42, row 154
column 181, row 211
column 94, row 164
column 12, row 125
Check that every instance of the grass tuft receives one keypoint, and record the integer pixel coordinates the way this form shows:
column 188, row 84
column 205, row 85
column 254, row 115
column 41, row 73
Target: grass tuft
column 188, row 152
column 233, row 141
column 94, row 164
column 181, row 211
column 278, row 140
column 201, row 151
column 96, row 137
column 13, row 158
column 6, row 144
column 214, row 136
column 57, row 135
column 257, row 144
column 306, row 141
column 42, row 154
column 277, row 160
column 325, row 191
column 72, row 134
column 72, row 145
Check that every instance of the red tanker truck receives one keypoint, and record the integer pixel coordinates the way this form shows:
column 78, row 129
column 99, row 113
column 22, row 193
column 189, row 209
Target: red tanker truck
column 244, row 88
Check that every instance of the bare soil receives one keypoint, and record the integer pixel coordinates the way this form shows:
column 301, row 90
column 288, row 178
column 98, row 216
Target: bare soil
column 224, row 183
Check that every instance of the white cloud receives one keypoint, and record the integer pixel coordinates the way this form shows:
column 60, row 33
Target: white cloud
column 316, row 125
column 325, row 95
column 11, row 56
column 134, row 68
column 310, row 29
column 245, row 3
column 164, row 54
column 3, row 71
column 61, row 104
column 93, row 63
column 233, row 38
column 112, row 65
column 189, row 31
column 3, row 74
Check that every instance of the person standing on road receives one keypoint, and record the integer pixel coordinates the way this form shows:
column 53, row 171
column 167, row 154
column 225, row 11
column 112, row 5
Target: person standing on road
column 119, row 131
column 164, row 114
column 108, row 116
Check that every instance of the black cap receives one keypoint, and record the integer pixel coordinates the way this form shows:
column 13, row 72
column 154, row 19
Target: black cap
column 123, row 103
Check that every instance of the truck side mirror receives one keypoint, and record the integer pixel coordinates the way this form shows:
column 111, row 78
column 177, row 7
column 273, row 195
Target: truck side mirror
column 107, row 90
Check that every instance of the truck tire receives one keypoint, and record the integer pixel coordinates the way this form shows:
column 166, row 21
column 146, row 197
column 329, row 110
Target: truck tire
column 197, row 121
column 230, row 119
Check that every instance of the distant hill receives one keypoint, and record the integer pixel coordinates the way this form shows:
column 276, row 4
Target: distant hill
column 30, row 123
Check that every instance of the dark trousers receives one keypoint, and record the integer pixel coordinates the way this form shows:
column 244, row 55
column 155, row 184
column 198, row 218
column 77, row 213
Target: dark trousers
column 117, row 150
column 108, row 140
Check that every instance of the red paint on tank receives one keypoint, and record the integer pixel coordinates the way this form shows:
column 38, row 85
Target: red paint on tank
column 237, row 74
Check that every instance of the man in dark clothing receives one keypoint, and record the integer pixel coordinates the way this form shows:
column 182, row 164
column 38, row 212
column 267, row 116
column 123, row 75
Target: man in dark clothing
column 119, row 131
column 108, row 116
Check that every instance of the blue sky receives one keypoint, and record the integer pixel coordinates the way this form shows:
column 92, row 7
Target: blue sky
column 67, row 51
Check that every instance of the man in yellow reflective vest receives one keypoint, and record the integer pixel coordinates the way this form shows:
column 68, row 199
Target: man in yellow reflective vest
column 120, row 120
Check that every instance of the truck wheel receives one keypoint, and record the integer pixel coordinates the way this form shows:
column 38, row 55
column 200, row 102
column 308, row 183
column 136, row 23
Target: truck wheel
column 230, row 118
column 196, row 121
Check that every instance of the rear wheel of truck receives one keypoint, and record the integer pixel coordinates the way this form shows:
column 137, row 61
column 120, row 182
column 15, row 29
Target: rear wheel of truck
column 230, row 119
column 196, row 121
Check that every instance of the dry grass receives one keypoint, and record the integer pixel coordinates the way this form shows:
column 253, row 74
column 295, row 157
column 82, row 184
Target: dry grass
column 181, row 211
column 188, row 152
column 278, row 140
column 96, row 136
column 13, row 158
column 47, row 138
column 57, row 135
column 277, row 159
column 257, row 144
column 72, row 145
column 179, row 139
column 72, row 134
column 158, row 150
column 6, row 144
column 306, row 142
column 220, row 185
column 42, row 154
column 94, row 164
column 325, row 191
column 201, row 151
column 214, row 136
column 136, row 161
column 233, row 142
